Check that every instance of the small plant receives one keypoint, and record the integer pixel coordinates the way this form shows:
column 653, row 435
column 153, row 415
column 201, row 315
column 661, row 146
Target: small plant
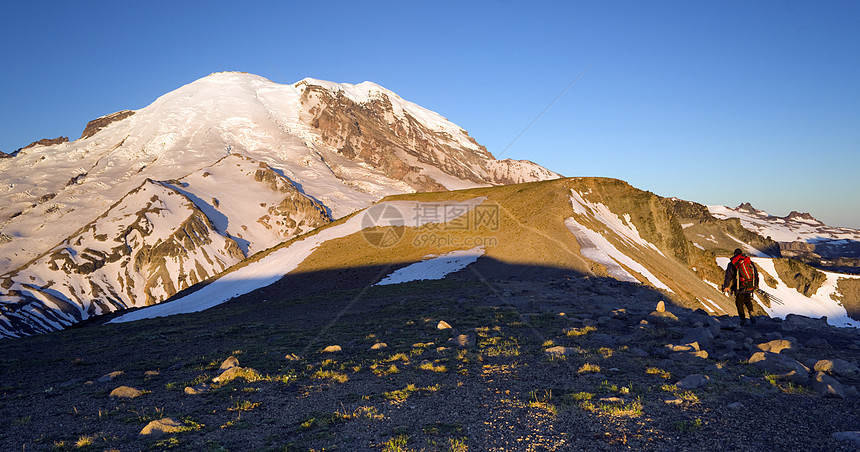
column 330, row 375
column 688, row 396
column 588, row 367
column 606, row 352
column 396, row 444
column 84, row 441
column 576, row 332
column 457, row 445
column 433, row 368
column 381, row 371
column 23, row 420
column 548, row 343
column 246, row 405
column 658, row 372
column 689, row 426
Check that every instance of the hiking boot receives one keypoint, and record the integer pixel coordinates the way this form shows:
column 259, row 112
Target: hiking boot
column 743, row 322
column 752, row 320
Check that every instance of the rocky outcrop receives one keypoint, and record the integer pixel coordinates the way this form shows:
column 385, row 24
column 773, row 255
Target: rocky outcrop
column 100, row 123
column 47, row 142
column 392, row 140
column 799, row 276
column 147, row 247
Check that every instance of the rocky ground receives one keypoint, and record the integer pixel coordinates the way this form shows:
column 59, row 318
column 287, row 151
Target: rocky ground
column 568, row 364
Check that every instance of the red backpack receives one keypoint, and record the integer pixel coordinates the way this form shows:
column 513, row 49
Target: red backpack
column 744, row 273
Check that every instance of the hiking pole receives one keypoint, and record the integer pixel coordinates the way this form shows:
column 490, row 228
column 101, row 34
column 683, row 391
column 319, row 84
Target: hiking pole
column 770, row 297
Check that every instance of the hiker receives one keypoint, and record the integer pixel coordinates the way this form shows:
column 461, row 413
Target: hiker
column 742, row 279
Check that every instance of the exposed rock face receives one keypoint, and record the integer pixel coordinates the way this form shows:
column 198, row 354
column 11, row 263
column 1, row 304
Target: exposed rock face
column 100, row 123
column 378, row 134
column 799, row 276
column 47, row 142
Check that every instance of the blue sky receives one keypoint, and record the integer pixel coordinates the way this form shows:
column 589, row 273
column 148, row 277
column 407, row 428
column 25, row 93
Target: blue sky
column 717, row 102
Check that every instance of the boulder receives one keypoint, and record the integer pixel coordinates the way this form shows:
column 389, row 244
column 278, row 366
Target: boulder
column 443, row 325
column 661, row 306
column 776, row 346
column 125, row 392
column 332, row 349
column 776, row 363
column 689, row 356
column 379, row 346
column 558, row 350
column 819, row 343
column 228, row 363
column 662, row 318
column 162, row 426
column 799, row 322
column 827, row 386
column 853, row 437
column 838, row 367
column 463, row 340
column 636, row 351
column 702, row 336
column 693, row 381
column 110, row 376
column 233, row 373
column 197, row 389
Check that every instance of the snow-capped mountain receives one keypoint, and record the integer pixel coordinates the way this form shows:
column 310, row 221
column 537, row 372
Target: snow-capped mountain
column 800, row 235
column 233, row 154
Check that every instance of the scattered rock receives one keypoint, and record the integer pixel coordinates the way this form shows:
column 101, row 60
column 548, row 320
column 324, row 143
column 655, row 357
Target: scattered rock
column 838, row 367
column 229, row 363
column 611, row 400
column 558, row 350
column 735, row 406
column 463, row 340
column 332, row 349
column 125, row 392
column 848, row 436
column 291, row 357
column 162, row 426
column 776, row 346
column 636, row 351
column 819, row 343
column 797, row 322
column 701, row 336
column 443, row 325
column 152, row 373
column 664, row 317
column 689, row 356
column 673, row 401
column 693, row 381
column 661, row 306
column 772, row 336
column 110, row 376
column 379, row 346
column 232, row 373
column 827, row 386
column 776, row 363
column 197, row 389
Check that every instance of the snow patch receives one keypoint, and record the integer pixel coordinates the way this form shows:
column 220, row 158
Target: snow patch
column 595, row 247
column 436, row 267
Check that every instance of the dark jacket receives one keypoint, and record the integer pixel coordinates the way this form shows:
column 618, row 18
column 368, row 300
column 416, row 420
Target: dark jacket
column 731, row 275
